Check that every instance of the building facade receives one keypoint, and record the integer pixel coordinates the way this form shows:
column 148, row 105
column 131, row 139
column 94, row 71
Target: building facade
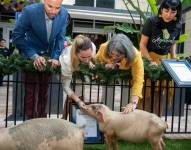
column 89, row 17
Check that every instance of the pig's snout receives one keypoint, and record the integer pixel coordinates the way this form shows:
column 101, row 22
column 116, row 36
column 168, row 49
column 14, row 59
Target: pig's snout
column 88, row 110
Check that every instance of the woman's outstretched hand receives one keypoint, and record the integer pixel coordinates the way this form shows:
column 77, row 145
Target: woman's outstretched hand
column 132, row 105
column 82, row 105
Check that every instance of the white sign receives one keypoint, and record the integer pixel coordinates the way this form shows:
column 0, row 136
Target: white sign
column 89, row 122
column 182, row 71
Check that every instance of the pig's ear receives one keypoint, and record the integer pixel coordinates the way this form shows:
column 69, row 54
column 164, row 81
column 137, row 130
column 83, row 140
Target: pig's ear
column 100, row 116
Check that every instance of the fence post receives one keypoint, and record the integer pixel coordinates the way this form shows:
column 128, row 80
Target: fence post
column 152, row 96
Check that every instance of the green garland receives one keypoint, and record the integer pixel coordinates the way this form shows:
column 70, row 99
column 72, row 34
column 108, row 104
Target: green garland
column 105, row 75
column 102, row 74
column 155, row 72
column 16, row 63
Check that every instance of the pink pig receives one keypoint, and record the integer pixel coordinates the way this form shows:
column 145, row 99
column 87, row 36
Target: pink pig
column 136, row 126
column 42, row 134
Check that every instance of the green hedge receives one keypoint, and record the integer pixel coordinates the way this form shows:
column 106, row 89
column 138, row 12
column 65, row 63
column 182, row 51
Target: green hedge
column 16, row 62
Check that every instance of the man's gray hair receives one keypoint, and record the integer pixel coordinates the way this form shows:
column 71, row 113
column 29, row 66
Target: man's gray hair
column 123, row 45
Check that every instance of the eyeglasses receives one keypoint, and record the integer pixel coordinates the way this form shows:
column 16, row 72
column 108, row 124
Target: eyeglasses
column 116, row 54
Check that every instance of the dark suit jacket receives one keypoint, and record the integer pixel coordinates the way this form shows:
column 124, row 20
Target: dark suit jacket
column 30, row 34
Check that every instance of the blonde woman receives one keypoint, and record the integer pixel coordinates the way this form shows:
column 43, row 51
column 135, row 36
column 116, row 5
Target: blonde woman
column 81, row 51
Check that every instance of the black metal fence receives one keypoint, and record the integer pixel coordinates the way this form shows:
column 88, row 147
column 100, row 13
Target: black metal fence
column 164, row 98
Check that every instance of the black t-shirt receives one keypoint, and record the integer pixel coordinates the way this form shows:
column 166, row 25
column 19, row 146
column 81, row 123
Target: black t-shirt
column 161, row 35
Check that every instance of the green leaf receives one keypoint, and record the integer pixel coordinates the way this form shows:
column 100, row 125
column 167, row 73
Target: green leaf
column 127, row 28
column 186, row 4
column 153, row 6
column 5, row 1
column 182, row 38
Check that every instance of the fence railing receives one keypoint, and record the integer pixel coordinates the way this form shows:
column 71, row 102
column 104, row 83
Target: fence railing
column 164, row 98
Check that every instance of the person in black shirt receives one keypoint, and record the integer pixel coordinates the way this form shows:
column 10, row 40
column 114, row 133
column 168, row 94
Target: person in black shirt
column 159, row 37
column 160, row 32
column 5, row 52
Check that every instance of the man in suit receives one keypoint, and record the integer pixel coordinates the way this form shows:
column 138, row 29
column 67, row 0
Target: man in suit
column 39, row 32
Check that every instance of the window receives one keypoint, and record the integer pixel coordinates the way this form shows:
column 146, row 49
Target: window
column 99, row 3
column 83, row 23
column 85, row 3
column 102, row 24
column 105, row 3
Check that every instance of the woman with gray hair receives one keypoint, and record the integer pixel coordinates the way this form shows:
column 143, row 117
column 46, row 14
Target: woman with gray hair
column 120, row 52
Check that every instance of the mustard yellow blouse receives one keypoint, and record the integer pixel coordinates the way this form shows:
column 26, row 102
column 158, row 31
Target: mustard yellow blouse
column 137, row 69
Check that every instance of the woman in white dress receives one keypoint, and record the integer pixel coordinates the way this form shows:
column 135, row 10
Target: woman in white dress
column 81, row 51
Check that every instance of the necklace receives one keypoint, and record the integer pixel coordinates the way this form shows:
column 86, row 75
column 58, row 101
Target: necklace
column 166, row 34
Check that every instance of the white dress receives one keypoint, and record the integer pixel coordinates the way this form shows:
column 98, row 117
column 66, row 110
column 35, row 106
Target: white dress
column 65, row 61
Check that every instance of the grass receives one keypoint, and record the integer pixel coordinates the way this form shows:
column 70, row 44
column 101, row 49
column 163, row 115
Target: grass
column 170, row 145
